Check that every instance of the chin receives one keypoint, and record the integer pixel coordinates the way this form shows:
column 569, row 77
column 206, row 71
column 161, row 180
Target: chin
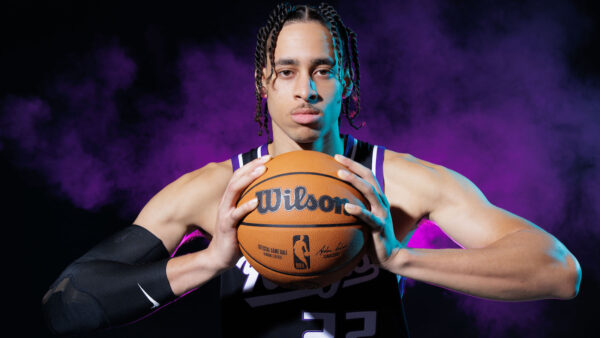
column 306, row 136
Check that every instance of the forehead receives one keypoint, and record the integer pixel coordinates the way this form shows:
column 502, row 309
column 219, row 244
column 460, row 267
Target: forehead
column 304, row 41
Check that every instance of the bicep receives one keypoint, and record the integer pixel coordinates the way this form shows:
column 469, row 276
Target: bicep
column 418, row 189
column 465, row 215
column 158, row 215
column 186, row 203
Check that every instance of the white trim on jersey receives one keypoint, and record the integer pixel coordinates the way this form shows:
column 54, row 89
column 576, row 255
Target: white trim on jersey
column 259, row 151
column 354, row 149
column 240, row 160
column 374, row 161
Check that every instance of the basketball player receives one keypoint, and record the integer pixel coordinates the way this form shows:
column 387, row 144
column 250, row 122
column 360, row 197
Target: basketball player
column 307, row 71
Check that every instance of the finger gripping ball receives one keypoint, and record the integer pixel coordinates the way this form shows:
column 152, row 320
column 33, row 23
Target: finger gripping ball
column 300, row 236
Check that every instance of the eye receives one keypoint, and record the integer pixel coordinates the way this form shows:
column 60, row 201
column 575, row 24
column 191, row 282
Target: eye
column 285, row 73
column 324, row 72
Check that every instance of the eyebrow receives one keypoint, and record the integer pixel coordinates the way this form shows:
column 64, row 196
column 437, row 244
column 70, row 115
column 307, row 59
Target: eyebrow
column 314, row 62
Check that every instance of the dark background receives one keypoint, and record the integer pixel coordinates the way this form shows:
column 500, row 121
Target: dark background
column 47, row 228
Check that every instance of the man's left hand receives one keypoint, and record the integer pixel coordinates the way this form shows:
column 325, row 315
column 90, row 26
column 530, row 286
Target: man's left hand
column 379, row 219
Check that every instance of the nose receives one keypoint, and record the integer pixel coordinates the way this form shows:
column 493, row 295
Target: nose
column 306, row 89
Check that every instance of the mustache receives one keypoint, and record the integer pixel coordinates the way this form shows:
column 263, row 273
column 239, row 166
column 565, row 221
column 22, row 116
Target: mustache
column 306, row 106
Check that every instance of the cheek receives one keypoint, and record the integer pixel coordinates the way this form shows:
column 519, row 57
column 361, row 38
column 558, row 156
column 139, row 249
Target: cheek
column 280, row 85
column 333, row 92
column 276, row 101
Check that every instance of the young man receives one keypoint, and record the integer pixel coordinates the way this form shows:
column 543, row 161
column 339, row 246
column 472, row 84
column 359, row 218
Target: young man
column 307, row 70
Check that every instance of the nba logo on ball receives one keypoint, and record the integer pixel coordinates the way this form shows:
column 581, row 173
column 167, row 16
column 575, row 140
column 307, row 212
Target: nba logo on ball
column 301, row 252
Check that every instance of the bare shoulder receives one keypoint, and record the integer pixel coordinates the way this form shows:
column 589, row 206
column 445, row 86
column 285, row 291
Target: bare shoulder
column 187, row 202
column 429, row 185
column 424, row 189
column 410, row 182
column 402, row 164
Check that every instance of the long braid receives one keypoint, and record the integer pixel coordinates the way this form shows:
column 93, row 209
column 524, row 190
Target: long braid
column 345, row 51
column 259, row 60
column 356, row 80
column 273, row 27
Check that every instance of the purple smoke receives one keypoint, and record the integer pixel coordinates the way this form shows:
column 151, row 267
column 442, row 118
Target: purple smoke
column 494, row 101
column 91, row 154
column 500, row 108
column 497, row 104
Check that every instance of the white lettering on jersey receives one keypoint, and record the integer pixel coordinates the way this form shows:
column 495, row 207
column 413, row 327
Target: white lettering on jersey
column 328, row 319
column 363, row 272
column 328, row 325
column 249, row 271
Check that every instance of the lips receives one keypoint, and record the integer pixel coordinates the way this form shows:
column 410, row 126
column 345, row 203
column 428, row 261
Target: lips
column 305, row 116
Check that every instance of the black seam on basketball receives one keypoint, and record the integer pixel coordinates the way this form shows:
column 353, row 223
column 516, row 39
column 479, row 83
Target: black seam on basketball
column 297, row 173
column 298, row 225
column 303, row 274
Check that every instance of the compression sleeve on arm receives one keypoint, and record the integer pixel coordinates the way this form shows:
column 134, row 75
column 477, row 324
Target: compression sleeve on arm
column 119, row 280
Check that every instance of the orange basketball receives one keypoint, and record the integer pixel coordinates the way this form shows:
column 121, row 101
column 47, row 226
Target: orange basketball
column 300, row 236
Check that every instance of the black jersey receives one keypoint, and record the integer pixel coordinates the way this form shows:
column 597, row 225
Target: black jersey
column 366, row 303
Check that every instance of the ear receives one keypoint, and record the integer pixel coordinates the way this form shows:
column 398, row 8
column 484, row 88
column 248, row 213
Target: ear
column 348, row 84
column 263, row 80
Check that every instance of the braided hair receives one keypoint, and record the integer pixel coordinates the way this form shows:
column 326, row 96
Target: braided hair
column 344, row 45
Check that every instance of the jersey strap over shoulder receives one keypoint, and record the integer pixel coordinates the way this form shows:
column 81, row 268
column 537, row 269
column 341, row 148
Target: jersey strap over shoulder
column 239, row 160
column 371, row 156
column 365, row 303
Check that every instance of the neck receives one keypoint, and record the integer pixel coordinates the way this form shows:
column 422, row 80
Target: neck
column 330, row 143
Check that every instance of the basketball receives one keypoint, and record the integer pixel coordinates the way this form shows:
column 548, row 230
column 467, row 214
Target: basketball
column 300, row 236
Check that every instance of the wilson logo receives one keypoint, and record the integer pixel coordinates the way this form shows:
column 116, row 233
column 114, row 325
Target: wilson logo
column 271, row 200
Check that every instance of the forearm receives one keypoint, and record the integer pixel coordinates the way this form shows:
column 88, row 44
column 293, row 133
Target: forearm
column 190, row 271
column 524, row 265
column 120, row 280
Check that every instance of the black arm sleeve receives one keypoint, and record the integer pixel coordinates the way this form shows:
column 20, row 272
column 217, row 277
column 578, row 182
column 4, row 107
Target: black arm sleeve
column 121, row 279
